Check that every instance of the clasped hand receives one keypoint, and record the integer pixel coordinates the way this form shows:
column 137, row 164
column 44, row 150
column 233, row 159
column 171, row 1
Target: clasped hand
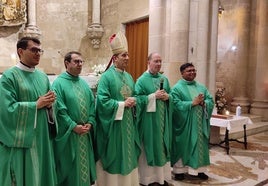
column 162, row 95
column 199, row 100
column 46, row 100
column 130, row 102
column 82, row 129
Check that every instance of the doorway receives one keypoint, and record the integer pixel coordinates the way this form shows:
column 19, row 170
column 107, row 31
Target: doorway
column 137, row 36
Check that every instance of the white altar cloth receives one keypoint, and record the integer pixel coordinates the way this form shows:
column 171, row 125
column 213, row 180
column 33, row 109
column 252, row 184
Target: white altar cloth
column 242, row 121
column 228, row 123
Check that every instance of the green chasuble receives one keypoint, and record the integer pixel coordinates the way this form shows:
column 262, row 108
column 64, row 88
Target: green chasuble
column 117, row 140
column 74, row 153
column 26, row 152
column 154, row 127
column 191, row 125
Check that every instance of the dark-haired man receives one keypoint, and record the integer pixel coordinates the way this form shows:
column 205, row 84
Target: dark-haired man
column 25, row 142
column 193, row 105
column 74, row 153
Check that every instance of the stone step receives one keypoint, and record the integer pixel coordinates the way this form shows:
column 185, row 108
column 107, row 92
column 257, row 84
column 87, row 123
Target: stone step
column 238, row 132
column 254, row 118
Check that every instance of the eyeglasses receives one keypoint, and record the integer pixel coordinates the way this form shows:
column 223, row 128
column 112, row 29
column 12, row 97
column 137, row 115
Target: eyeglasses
column 191, row 70
column 78, row 61
column 36, row 50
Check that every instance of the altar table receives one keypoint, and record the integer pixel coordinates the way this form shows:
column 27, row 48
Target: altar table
column 228, row 124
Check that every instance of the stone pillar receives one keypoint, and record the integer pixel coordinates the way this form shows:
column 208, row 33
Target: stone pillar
column 199, row 38
column 157, row 23
column 260, row 52
column 31, row 28
column 169, row 33
column 212, row 59
column 213, row 40
column 202, row 50
column 95, row 30
column 242, row 56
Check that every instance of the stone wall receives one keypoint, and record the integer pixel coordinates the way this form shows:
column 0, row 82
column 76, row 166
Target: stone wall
column 241, row 51
column 63, row 25
column 233, row 48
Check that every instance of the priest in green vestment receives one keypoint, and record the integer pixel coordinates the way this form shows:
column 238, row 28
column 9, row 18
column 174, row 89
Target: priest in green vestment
column 75, row 115
column 26, row 151
column 193, row 105
column 154, row 124
column 117, row 135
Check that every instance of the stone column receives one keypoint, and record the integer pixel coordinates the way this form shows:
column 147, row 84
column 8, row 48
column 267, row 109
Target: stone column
column 213, row 40
column 242, row 55
column 157, row 24
column 31, row 28
column 95, row 30
column 169, row 33
column 260, row 52
column 199, row 38
column 203, row 47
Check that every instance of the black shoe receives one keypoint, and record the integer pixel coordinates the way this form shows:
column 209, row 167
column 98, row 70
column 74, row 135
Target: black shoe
column 192, row 177
column 179, row 177
column 167, row 184
column 154, row 184
column 202, row 176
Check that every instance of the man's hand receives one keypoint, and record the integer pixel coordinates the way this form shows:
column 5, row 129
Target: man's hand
column 198, row 100
column 162, row 95
column 130, row 102
column 46, row 100
column 82, row 129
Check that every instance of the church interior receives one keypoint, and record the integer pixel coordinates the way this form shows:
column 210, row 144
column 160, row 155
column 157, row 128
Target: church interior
column 226, row 40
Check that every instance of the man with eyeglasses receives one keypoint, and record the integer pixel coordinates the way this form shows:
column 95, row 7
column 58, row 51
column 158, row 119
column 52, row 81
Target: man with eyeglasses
column 193, row 105
column 75, row 110
column 26, row 151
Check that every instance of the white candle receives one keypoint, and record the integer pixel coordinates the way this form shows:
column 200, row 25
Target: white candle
column 227, row 112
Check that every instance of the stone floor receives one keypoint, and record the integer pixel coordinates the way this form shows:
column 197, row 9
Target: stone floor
column 241, row 167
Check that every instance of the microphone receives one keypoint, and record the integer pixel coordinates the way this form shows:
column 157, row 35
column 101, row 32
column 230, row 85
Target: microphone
column 161, row 84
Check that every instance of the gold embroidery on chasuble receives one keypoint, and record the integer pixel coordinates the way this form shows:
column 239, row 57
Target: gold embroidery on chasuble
column 161, row 107
column 199, row 113
column 23, row 113
column 129, row 138
column 126, row 92
column 200, row 134
column 82, row 139
column 162, row 126
column 156, row 83
column 83, row 157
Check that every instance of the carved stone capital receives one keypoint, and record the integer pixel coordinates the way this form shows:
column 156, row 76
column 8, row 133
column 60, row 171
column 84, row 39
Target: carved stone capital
column 95, row 33
column 31, row 31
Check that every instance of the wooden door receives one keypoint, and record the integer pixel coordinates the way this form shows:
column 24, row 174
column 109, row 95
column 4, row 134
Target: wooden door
column 137, row 36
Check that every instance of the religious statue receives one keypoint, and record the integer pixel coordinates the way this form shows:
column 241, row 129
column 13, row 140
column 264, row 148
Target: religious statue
column 12, row 12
